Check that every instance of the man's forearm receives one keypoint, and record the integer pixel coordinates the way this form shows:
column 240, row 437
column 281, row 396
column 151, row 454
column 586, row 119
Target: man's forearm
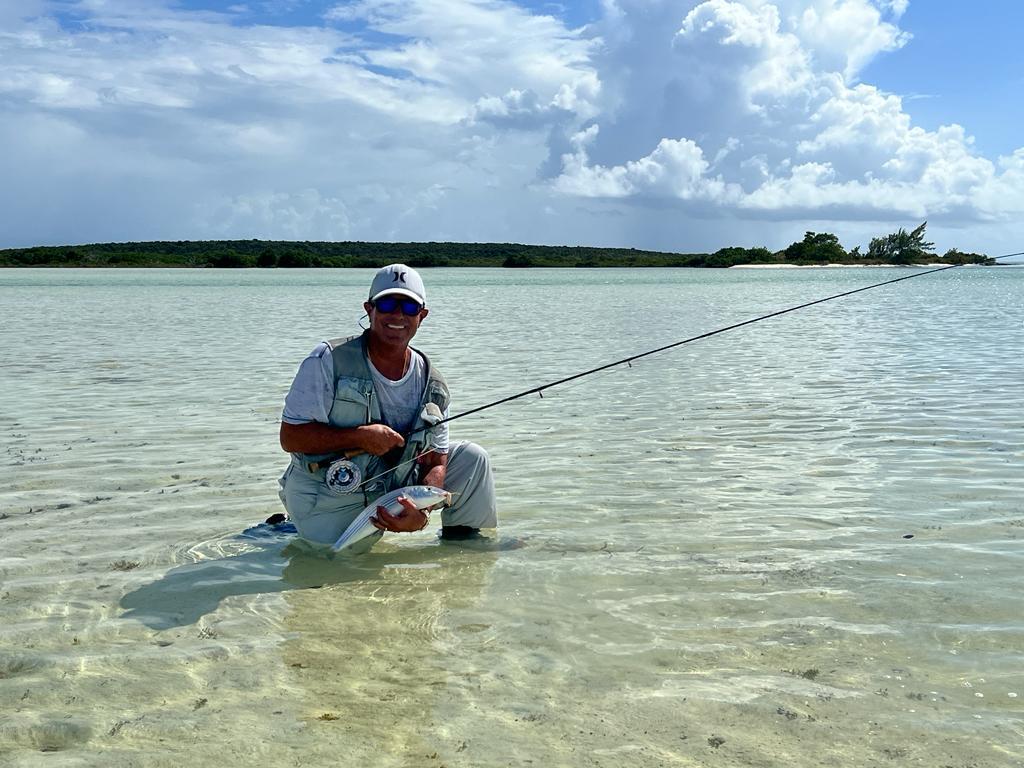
column 316, row 437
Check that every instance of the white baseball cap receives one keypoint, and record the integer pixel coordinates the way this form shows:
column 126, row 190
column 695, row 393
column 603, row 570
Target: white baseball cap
column 398, row 278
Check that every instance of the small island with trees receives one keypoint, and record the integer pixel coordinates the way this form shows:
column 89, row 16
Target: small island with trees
column 900, row 248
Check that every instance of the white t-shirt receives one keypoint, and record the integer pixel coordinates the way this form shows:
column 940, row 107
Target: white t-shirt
column 312, row 394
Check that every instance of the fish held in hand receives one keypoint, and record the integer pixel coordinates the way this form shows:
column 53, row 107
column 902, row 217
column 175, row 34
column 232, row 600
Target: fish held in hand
column 423, row 496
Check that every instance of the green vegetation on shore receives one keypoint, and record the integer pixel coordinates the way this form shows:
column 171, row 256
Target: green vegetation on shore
column 816, row 248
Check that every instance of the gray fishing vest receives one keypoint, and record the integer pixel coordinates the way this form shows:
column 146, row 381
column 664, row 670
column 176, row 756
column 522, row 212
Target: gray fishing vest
column 356, row 404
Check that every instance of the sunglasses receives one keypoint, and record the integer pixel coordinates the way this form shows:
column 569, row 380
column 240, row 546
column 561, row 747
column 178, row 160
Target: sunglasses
column 388, row 304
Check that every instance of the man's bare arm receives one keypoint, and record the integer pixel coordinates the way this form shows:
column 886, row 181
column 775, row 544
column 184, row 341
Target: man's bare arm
column 316, row 437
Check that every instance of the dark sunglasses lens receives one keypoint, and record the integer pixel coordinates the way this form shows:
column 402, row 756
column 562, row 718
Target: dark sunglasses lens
column 388, row 304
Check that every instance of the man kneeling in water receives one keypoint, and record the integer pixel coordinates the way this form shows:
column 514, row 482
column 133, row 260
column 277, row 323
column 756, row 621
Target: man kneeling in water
column 356, row 397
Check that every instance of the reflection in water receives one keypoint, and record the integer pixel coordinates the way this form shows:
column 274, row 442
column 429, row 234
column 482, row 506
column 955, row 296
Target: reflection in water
column 367, row 634
column 365, row 661
column 369, row 652
column 187, row 593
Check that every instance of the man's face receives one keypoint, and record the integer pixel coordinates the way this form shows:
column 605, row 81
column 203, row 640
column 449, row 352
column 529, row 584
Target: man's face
column 390, row 321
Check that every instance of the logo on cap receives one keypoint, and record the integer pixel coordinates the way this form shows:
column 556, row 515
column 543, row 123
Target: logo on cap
column 399, row 276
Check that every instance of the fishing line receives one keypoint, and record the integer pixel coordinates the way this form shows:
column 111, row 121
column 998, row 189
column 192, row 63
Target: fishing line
column 539, row 390
column 626, row 360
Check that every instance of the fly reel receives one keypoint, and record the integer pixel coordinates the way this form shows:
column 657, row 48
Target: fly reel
column 343, row 476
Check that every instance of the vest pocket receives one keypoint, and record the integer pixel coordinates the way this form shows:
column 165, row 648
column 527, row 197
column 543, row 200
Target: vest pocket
column 351, row 406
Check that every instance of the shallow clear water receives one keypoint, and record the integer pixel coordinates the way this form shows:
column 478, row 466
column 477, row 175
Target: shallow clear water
column 703, row 559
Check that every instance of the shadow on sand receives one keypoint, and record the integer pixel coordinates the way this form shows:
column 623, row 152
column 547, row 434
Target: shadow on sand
column 188, row 592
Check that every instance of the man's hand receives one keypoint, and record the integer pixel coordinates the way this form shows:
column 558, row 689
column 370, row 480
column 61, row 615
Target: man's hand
column 378, row 439
column 409, row 519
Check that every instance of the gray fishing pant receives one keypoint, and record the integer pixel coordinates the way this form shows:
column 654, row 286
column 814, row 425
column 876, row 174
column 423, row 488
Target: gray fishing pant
column 321, row 516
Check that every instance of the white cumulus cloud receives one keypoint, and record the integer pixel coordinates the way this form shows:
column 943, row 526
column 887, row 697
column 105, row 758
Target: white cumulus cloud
column 770, row 91
column 649, row 126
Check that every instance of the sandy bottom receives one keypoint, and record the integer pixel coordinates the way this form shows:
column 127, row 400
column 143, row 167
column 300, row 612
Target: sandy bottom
column 796, row 545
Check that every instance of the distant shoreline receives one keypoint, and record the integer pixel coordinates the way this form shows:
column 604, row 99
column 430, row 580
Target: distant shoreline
column 832, row 266
column 286, row 254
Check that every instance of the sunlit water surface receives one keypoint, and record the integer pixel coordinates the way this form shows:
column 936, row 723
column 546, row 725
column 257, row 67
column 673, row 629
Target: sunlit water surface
column 793, row 544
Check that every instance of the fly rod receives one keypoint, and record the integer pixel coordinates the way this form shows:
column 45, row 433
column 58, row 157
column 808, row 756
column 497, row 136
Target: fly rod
column 539, row 390
column 627, row 360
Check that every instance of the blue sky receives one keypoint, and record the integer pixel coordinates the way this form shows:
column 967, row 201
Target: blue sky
column 665, row 124
column 963, row 64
